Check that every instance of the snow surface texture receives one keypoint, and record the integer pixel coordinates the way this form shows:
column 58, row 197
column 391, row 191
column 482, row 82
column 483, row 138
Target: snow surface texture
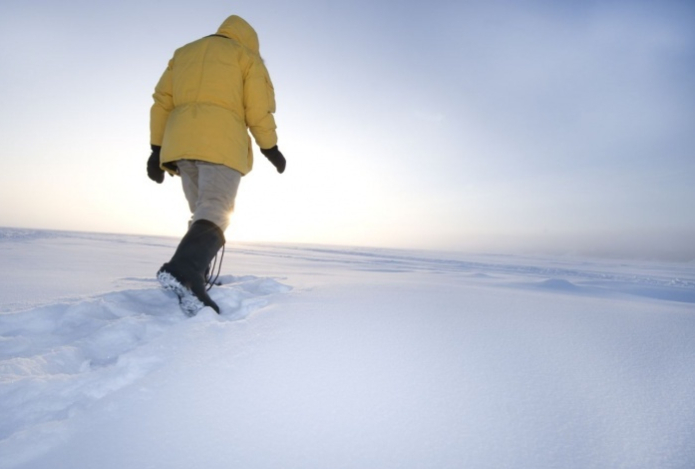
column 341, row 358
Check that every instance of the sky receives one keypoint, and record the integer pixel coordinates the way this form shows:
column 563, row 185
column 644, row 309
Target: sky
column 502, row 126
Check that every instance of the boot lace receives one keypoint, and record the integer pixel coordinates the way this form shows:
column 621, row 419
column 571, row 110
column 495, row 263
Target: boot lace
column 209, row 280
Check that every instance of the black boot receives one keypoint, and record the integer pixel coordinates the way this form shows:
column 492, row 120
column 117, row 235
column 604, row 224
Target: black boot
column 184, row 274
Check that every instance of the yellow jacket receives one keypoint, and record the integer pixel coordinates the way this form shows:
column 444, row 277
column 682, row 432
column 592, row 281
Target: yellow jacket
column 213, row 90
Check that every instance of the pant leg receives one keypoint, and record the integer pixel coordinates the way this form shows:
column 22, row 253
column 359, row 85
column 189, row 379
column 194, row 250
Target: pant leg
column 216, row 192
column 188, row 170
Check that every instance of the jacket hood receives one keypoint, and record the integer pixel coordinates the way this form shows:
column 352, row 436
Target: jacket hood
column 238, row 29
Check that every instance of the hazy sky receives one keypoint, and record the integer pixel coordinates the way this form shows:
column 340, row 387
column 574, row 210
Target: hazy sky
column 498, row 125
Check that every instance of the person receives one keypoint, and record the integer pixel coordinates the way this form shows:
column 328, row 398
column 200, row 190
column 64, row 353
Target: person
column 212, row 93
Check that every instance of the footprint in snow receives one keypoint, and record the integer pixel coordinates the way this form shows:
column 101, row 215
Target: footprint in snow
column 57, row 358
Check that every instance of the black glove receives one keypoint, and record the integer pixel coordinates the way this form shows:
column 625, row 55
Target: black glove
column 275, row 157
column 154, row 172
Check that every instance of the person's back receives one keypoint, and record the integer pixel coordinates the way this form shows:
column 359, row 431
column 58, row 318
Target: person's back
column 212, row 90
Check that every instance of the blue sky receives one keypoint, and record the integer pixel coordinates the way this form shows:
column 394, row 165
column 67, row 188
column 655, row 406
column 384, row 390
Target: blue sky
column 503, row 126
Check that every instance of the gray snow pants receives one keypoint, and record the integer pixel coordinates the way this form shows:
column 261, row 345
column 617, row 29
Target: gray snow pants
column 210, row 190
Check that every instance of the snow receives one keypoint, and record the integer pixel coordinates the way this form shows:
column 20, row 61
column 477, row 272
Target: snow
column 341, row 358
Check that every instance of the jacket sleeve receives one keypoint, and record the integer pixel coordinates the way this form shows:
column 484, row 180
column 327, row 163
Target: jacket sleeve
column 163, row 104
column 259, row 105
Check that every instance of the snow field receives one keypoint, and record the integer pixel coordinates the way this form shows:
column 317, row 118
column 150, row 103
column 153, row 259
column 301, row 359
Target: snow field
column 350, row 359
